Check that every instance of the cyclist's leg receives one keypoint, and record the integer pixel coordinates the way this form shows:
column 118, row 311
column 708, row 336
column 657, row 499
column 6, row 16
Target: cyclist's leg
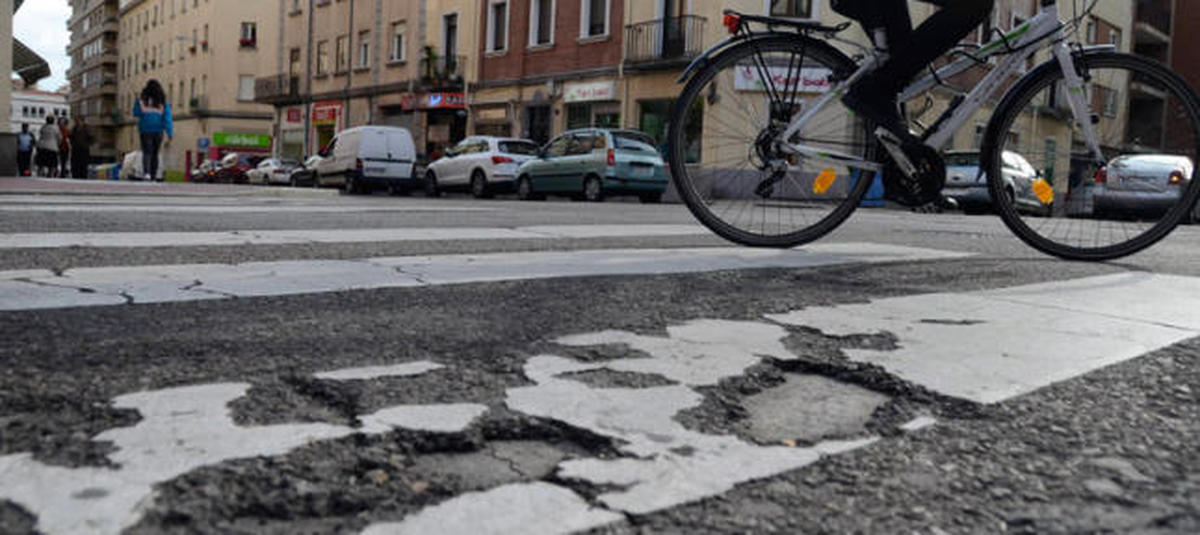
column 910, row 52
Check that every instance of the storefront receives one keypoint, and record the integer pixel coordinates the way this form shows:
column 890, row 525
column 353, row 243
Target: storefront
column 291, row 133
column 445, row 121
column 592, row 104
column 223, row 143
column 492, row 119
column 326, row 121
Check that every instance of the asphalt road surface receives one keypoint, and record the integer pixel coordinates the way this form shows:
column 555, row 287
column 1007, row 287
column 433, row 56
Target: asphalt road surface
column 214, row 359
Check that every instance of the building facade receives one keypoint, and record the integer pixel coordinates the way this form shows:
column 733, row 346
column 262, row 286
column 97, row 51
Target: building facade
column 348, row 63
column 207, row 55
column 32, row 107
column 93, row 74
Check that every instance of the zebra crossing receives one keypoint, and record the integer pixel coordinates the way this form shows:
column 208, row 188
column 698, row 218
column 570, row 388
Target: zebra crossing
column 986, row 347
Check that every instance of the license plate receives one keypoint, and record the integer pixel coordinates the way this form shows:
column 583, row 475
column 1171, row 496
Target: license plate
column 641, row 171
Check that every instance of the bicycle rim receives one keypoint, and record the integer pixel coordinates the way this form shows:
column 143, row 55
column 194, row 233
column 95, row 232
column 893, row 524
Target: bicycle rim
column 722, row 166
column 1056, row 196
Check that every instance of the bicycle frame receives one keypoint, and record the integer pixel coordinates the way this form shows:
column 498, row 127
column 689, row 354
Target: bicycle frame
column 1016, row 47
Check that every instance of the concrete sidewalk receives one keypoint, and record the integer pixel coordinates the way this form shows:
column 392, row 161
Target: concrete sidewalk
column 68, row 186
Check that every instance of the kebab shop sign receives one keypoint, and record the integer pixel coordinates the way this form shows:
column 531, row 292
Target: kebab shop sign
column 807, row 80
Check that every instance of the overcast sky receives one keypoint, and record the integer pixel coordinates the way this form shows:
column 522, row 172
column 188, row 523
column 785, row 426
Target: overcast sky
column 42, row 26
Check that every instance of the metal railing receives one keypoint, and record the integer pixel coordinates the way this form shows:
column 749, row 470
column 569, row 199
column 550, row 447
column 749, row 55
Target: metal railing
column 673, row 38
column 442, row 69
column 1156, row 13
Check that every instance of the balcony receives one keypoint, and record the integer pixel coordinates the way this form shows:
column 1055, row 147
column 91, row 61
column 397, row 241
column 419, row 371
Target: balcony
column 664, row 43
column 1153, row 21
column 444, row 72
column 277, row 89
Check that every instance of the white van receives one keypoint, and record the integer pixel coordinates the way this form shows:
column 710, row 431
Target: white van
column 364, row 158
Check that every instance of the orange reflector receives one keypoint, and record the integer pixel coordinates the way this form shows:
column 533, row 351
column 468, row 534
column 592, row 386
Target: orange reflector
column 1044, row 191
column 732, row 22
column 824, row 181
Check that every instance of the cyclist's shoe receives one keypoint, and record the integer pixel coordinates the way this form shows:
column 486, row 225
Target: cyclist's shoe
column 879, row 107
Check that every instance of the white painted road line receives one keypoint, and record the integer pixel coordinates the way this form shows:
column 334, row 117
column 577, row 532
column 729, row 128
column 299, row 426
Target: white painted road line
column 241, row 209
column 40, row 289
column 182, row 429
column 992, row 345
column 277, row 237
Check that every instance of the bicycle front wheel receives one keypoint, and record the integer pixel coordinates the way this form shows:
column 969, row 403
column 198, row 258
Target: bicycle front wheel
column 1058, row 196
column 726, row 164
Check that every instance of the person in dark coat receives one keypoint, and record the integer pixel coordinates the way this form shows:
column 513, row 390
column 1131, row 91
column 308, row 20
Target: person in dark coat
column 26, row 142
column 81, row 148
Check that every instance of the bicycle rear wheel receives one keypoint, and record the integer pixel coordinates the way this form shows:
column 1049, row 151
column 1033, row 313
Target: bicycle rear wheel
column 1052, row 191
column 722, row 160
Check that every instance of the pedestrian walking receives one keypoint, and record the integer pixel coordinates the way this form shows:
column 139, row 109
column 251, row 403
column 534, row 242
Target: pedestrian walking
column 81, row 148
column 49, row 138
column 64, row 148
column 25, row 145
column 154, row 122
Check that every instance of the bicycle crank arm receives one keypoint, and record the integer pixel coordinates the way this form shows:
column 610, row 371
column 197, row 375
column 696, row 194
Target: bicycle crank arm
column 893, row 145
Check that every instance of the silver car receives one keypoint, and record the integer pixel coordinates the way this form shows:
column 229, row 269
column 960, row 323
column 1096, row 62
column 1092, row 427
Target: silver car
column 968, row 186
column 1145, row 185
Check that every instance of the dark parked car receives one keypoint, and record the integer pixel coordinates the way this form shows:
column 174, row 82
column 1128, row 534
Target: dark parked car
column 233, row 168
column 594, row 163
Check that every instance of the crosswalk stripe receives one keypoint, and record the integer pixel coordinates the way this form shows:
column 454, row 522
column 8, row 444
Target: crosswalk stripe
column 39, row 289
column 992, row 345
column 273, row 237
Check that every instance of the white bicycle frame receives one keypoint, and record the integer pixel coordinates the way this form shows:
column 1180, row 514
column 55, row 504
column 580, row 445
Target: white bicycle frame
column 1028, row 37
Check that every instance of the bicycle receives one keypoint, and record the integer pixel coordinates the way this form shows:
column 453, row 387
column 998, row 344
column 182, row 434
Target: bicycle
column 763, row 152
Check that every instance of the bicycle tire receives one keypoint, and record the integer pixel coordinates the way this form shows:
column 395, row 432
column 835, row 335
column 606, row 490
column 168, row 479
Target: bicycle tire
column 686, row 184
column 1043, row 78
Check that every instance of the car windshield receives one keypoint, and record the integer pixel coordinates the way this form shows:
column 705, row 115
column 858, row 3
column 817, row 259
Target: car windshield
column 633, row 141
column 519, row 147
column 967, row 159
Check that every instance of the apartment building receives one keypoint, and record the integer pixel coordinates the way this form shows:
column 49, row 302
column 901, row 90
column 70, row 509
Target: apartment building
column 207, row 55
column 547, row 66
column 347, row 63
column 92, row 77
column 32, row 107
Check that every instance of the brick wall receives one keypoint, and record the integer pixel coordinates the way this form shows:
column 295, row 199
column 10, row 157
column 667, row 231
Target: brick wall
column 568, row 54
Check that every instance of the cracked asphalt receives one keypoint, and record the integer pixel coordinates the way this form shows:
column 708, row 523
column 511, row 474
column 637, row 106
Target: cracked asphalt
column 1113, row 450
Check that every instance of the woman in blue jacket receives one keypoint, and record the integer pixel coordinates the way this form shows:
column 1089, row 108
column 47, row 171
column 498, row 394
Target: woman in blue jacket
column 154, row 121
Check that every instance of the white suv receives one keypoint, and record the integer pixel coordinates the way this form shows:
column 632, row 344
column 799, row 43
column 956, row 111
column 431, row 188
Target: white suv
column 481, row 165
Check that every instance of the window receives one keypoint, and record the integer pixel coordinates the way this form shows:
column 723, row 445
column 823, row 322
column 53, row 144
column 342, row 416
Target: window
column 343, row 59
column 1114, row 37
column 541, row 22
column 802, row 9
column 249, row 36
column 399, row 44
column 594, row 18
column 294, row 62
column 497, row 30
column 1091, row 32
column 364, row 49
column 322, row 58
column 558, row 147
column 246, row 88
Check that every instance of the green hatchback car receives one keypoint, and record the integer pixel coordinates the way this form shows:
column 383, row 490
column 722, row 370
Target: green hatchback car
column 593, row 163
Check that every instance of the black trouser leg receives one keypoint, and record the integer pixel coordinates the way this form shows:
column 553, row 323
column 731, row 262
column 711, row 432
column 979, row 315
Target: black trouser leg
column 23, row 160
column 79, row 163
column 150, row 146
column 938, row 34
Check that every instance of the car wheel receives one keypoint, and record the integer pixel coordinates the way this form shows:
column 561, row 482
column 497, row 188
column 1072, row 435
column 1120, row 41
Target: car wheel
column 479, row 186
column 525, row 190
column 431, row 185
column 650, row 198
column 350, row 186
column 593, row 190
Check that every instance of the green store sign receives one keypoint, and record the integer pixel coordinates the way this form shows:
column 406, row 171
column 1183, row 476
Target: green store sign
column 247, row 141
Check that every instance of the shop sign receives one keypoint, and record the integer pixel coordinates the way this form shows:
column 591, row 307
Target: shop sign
column 326, row 113
column 590, row 91
column 295, row 115
column 441, row 101
column 495, row 113
column 810, row 80
column 245, row 141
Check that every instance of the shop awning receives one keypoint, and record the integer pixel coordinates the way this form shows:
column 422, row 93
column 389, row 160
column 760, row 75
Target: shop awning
column 28, row 65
